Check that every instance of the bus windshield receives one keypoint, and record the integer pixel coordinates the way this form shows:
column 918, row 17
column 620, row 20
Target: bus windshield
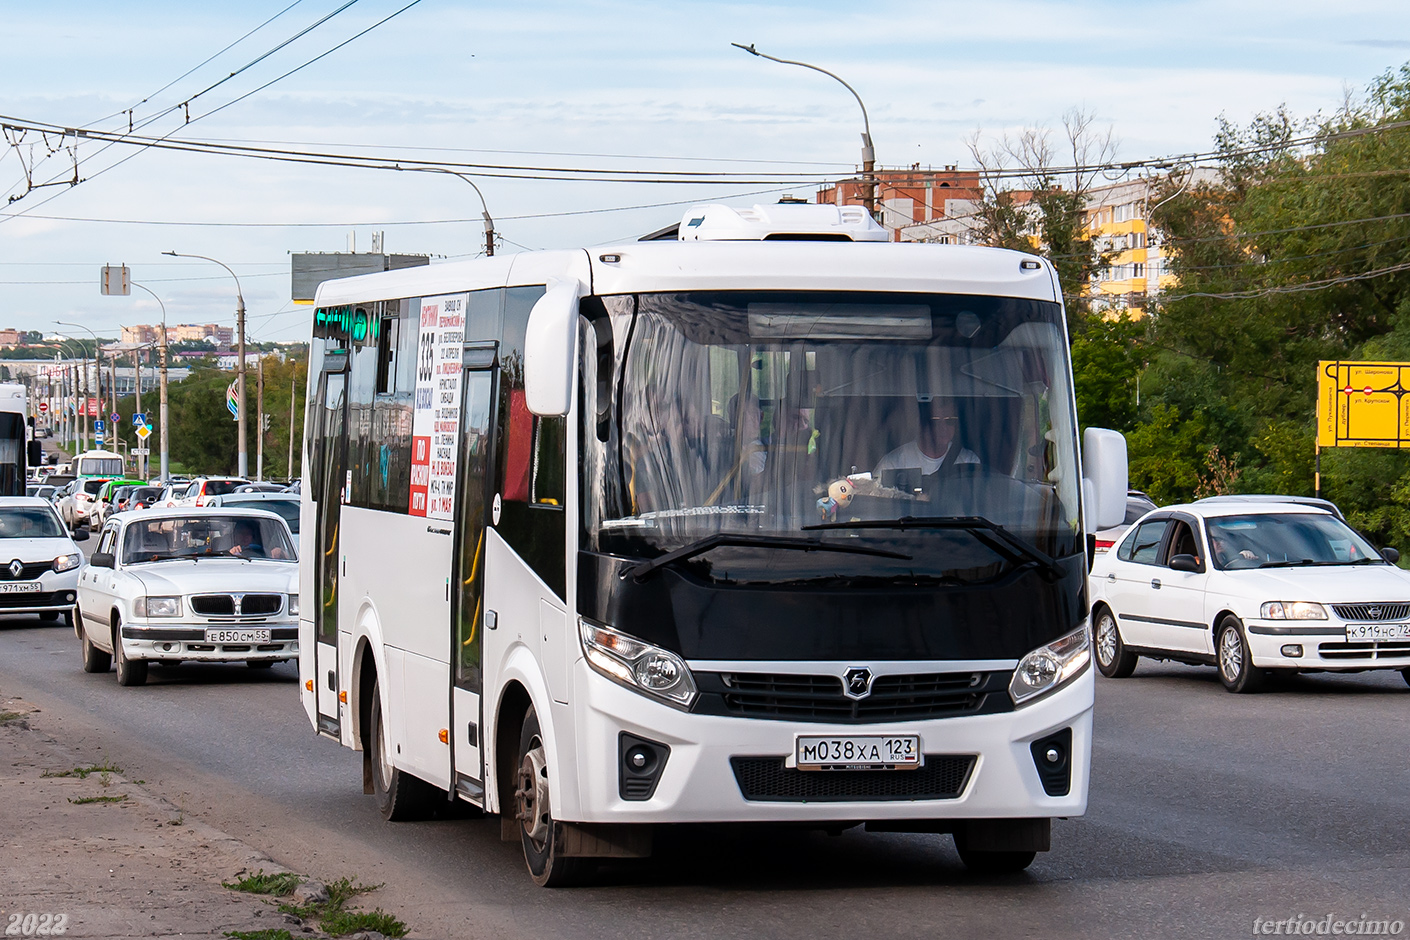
column 100, row 466
column 828, row 416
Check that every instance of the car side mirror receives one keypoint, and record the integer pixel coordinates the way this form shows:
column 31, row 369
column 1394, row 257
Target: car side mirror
column 101, row 559
column 79, row 535
column 1390, row 554
column 1185, row 563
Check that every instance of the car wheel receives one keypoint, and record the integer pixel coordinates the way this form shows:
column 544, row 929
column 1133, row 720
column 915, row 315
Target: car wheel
column 537, row 830
column 1114, row 660
column 992, row 863
column 94, row 659
column 130, row 672
column 259, row 663
column 71, row 619
column 49, row 616
column 400, row 795
column 1236, row 668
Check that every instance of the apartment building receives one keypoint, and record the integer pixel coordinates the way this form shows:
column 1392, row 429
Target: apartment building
column 942, row 201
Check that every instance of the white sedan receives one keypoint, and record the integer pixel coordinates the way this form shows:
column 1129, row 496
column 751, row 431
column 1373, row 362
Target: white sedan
column 39, row 561
column 189, row 584
column 1251, row 587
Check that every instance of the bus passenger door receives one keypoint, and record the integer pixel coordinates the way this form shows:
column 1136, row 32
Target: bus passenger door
column 473, row 481
column 331, row 467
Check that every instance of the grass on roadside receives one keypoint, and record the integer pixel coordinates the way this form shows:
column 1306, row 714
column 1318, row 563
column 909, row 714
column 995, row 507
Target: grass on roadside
column 10, row 716
column 333, row 916
column 98, row 799
column 280, row 885
column 269, row 934
column 106, row 767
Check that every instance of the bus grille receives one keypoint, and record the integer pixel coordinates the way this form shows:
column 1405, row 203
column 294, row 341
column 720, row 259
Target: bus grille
column 893, row 698
column 1395, row 611
column 765, row 779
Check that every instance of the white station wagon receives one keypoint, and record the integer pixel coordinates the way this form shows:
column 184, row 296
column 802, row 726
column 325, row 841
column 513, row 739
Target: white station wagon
column 189, row 584
column 1251, row 587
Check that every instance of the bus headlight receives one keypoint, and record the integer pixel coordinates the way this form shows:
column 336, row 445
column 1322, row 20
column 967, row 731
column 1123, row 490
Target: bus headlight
column 157, row 607
column 636, row 665
column 65, row 562
column 1050, row 667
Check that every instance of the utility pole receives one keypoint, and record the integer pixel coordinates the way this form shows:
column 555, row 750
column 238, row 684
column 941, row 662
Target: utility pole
column 259, row 413
column 290, row 472
column 137, row 368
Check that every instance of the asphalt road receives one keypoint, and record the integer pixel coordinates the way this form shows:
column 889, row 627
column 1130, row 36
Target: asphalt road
column 1208, row 810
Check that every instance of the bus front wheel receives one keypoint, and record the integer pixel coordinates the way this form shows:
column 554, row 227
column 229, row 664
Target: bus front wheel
column 534, row 812
column 400, row 796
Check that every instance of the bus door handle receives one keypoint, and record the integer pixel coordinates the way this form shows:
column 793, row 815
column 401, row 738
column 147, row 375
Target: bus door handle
column 1155, row 583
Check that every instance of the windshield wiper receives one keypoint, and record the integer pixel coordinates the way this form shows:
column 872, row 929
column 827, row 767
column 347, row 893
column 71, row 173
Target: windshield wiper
column 1288, row 564
column 644, row 570
column 1309, row 563
column 994, row 536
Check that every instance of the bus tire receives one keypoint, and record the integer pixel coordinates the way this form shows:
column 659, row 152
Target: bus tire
column 537, row 830
column 401, row 797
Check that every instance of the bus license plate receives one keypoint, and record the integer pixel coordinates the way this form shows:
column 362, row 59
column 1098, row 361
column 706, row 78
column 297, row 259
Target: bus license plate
column 237, row 636
column 19, row 587
column 1378, row 631
column 857, row 752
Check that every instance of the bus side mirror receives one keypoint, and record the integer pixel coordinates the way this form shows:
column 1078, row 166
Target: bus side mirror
column 551, row 349
column 1103, row 478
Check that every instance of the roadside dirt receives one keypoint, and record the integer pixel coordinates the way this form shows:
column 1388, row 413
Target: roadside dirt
column 125, row 863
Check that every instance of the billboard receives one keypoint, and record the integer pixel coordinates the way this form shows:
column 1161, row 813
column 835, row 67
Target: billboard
column 1363, row 404
column 310, row 269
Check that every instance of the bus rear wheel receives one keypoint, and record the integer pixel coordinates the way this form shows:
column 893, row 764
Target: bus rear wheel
column 400, row 796
column 532, row 807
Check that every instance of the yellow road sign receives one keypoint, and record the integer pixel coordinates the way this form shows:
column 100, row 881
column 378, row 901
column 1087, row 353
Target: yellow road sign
column 143, row 431
column 1363, row 404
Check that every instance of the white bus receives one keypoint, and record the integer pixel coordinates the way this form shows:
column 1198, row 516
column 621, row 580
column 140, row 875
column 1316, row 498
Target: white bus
column 15, row 435
column 756, row 521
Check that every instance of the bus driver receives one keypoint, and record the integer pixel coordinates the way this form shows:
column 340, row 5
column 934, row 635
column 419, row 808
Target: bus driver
column 936, row 449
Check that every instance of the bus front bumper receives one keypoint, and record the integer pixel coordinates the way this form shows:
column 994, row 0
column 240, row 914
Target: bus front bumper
column 713, row 760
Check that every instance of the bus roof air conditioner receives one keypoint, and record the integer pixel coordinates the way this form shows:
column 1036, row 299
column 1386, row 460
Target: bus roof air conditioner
column 709, row 222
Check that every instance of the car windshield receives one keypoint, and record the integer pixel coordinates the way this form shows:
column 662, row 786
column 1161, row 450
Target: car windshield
column 145, row 493
column 1276, row 540
column 167, row 537
column 287, row 509
column 91, row 487
column 762, row 413
column 221, row 487
column 29, row 522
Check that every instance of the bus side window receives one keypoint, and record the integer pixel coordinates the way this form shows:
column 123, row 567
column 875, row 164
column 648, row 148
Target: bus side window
column 548, row 485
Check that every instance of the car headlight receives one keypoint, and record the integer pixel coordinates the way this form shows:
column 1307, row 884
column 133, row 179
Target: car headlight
column 639, row 666
column 65, row 562
column 157, row 607
column 1292, row 610
column 1050, row 667
column 293, row 605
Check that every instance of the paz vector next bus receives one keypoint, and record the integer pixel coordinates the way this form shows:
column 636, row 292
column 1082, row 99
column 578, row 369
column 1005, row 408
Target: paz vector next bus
column 759, row 519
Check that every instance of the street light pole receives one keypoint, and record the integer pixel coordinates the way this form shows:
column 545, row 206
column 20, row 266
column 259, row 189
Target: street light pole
column 243, row 468
column 868, row 154
column 162, row 415
column 484, row 206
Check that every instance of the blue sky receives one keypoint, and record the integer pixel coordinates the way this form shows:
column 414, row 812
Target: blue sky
column 657, row 81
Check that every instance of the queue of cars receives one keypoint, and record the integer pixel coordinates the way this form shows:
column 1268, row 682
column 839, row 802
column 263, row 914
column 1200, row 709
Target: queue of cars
column 212, row 577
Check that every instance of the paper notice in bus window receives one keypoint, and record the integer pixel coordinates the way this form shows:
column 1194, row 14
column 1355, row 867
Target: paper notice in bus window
column 435, row 422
